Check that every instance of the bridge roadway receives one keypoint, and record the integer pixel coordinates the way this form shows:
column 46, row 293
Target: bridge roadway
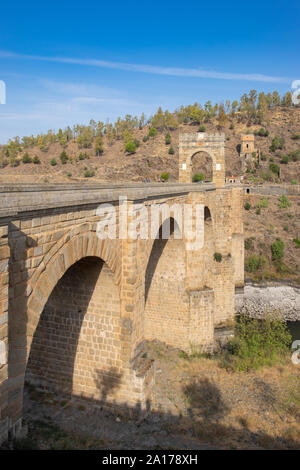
column 18, row 198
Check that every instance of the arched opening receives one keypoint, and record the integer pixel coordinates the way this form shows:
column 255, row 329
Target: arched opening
column 75, row 350
column 201, row 167
column 209, row 246
column 166, row 301
column 207, row 215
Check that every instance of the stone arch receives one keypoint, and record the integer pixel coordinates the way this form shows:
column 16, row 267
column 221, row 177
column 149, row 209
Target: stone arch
column 207, row 215
column 209, row 245
column 59, row 260
column 166, row 300
column 213, row 144
column 76, row 346
column 202, row 162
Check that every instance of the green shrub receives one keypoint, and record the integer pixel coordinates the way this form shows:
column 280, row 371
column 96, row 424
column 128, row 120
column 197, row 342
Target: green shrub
column 145, row 138
column 3, row 162
column 257, row 343
column 171, row 151
column 218, row 257
column 297, row 242
column 247, row 206
column 202, row 129
column 263, row 203
column 262, row 132
column 284, row 203
column 248, row 242
column 294, row 156
column 295, row 136
column 63, row 157
column 277, row 143
column 263, row 157
column 294, row 182
column 14, row 162
column 284, row 160
column 130, row 147
column 281, row 267
column 26, row 158
column 53, row 162
column 136, row 142
column 254, row 263
column 286, row 228
column 164, row 176
column 168, row 138
column 277, row 249
column 36, row 160
column 258, row 211
column 83, row 156
column 89, row 173
column 152, row 132
column 274, row 168
column 198, row 177
column 267, row 175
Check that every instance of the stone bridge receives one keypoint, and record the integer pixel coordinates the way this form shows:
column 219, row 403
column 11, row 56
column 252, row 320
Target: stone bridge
column 76, row 309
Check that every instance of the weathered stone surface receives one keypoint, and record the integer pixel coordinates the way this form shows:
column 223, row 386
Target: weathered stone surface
column 259, row 301
column 83, row 334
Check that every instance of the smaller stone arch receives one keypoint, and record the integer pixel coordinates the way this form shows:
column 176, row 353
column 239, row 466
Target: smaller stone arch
column 74, row 249
column 206, row 161
column 212, row 144
column 207, row 215
column 166, row 298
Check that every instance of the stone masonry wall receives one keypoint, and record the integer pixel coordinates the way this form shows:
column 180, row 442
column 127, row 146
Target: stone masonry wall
column 76, row 347
column 166, row 300
column 189, row 293
column 4, row 279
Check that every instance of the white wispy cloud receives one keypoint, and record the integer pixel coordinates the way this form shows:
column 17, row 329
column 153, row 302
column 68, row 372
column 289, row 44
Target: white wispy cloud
column 150, row 69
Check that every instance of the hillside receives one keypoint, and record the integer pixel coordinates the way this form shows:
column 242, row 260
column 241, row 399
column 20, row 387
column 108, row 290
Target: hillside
column 152, row 158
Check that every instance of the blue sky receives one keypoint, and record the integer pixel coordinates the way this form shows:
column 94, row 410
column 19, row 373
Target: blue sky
column 66, row 62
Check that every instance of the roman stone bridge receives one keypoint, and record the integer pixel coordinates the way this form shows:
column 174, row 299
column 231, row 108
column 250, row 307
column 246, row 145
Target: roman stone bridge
column 77, row 304
column 76, row 309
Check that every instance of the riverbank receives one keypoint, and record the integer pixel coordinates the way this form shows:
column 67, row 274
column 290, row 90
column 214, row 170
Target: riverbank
column 260, row 299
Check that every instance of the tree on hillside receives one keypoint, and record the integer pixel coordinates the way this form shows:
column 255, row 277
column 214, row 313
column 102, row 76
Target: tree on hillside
column 287, row 100
column 262, row 105
column 222, row 117
column 158, row 120
column 85, row 137
column 98, row 145
column 275, row 98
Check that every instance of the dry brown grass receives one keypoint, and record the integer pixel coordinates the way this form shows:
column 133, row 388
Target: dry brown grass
column 258, row 409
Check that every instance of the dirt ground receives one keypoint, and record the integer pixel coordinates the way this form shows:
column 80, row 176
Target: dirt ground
column 197, row 405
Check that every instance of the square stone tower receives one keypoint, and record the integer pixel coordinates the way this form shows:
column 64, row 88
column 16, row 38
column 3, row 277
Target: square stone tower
column 247, row 143
column 248, row 153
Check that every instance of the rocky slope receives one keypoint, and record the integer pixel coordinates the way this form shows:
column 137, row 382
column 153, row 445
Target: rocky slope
column 152, row 157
